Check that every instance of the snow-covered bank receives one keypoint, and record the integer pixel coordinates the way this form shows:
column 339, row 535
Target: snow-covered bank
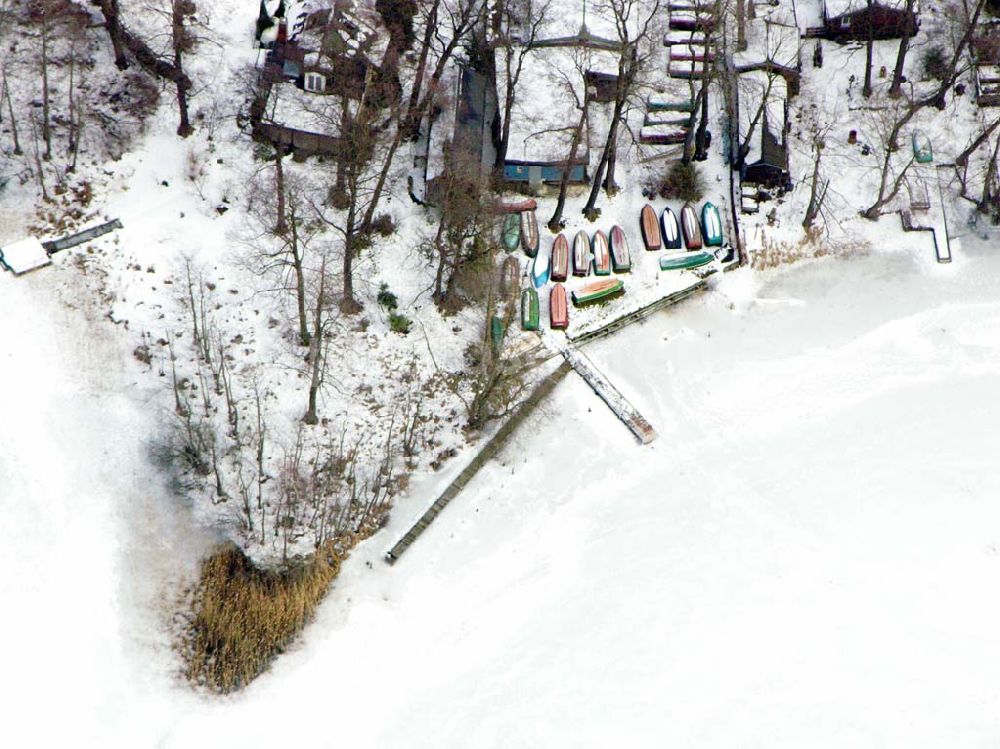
column 93, row 546
column 807, row 556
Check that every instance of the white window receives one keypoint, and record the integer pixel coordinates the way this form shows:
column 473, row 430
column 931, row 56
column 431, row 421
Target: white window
column 315, row 83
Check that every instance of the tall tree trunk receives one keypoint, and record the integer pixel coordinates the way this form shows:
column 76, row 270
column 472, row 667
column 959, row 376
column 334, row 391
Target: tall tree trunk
column 13, row 120
column 316, row 354
column 556, row 220
column 741, row 26
column 182, row 82
column 46, row 125
column 281, row 225
column 896, row 89
column 869, row 51
column 109, row 8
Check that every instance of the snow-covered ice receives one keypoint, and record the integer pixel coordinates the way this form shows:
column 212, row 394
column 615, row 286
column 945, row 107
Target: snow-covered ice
column 808, row 556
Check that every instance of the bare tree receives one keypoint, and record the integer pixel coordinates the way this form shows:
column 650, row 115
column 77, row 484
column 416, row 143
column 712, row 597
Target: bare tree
column 576, row 138
column 626, row 14
column 283, row 230
column 896, row 90
column 520, row 23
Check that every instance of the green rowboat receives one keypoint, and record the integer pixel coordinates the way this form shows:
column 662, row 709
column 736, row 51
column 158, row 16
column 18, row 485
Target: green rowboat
column 510, row 234
column 685, row 260
column 598, row 291
column 529, row 309
column 497, row 331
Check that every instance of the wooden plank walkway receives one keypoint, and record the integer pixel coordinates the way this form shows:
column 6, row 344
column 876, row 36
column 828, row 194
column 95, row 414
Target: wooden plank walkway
column 639, row 314
column 489, row 450
column 642, row 429
column 608, row 393
column 63, row 243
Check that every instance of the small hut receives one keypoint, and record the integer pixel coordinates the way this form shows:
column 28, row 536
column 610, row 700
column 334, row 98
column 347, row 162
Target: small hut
column 856, row 20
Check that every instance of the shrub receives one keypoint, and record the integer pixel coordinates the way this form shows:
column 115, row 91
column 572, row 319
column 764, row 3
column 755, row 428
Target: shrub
column 386, row 298
column 683, row 182
column 935, row 63
column 383, row 225
column 399, row 323
column 244, row 616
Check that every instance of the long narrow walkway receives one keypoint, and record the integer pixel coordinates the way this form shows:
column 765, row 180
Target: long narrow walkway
column 617, row 402
column 491, row 448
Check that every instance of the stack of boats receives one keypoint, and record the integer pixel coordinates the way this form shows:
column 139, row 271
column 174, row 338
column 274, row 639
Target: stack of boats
column 687, row 240
column 599, row 255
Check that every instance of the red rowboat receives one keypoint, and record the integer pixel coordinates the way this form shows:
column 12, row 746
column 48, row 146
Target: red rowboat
column 558, row 308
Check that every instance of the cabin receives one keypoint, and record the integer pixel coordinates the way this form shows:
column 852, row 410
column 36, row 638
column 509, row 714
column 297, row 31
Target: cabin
column 856, row 20
column 762, row 131
column 309, row 55
column 985, row 49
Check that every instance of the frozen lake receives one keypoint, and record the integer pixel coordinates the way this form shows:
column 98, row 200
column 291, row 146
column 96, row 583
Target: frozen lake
column 808, row 556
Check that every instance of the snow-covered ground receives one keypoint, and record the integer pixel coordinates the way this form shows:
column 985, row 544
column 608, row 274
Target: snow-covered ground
column 808, row 556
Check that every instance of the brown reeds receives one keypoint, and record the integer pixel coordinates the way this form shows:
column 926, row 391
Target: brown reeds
column 244, row 616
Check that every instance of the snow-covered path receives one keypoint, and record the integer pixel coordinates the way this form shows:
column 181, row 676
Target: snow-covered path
column 809, row 556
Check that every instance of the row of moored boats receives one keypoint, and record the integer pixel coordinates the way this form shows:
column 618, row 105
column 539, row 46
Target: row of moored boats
column 601, row 254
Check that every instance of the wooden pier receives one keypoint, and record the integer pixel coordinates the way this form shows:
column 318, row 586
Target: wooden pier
column 490, row 449
column 576, row 361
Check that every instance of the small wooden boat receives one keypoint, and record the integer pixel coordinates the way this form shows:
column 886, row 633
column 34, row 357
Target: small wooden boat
column 529, row 204
column 671, row 230
column 529, row 233
column 922, row 151
column 596, row 291
column 558, row 308
column 540, row 270
column 711, row 225
column 621, row 258
column 510, row 275
column 581, row 254
column 662, row 135
column 602, row 256
column 560, row 258
column 529, row 309
column 685, row 260
column 650, row 229
column 510, row 234
column 692, row 231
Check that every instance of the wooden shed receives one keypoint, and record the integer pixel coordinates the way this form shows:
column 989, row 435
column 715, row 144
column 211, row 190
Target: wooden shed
column 855, row 20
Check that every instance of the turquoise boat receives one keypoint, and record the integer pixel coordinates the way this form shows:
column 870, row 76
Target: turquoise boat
column 711, row 226
column 685, row 260
column 922, row 151
column 529, row 309
column 510, row 234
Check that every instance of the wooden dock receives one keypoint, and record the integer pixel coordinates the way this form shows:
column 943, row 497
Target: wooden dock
column 608, row 393
column 574, row 360
column 488, row 451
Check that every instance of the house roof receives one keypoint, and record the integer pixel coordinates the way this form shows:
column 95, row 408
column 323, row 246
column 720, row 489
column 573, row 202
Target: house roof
column 771, row 38
column 836, row 8
column 546, row 106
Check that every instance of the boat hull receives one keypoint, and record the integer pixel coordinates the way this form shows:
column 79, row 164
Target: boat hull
column 692, row 230
column 581, row 254
column 558, row 308
column 510, row 234
column 685, row 260
column 650, row 229
column 540, row 270
column 621, row 258
column 560, row 258
column 671, row 229
column 510, row 274
column 598, row 291
column 529, row 309
column 602, row 255
column 529, row 233
column 711, row 226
